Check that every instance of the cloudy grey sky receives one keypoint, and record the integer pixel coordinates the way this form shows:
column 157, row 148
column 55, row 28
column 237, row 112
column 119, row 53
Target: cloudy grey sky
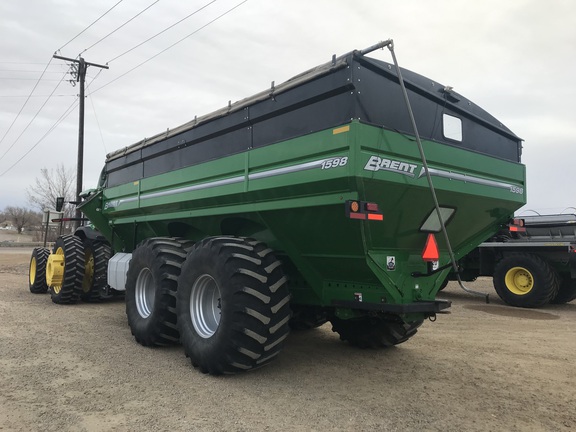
column 516, row 59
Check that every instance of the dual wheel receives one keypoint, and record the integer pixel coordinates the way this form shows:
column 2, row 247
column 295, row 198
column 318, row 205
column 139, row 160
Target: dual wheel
column 526, row 280
column 74, row 269
column 225, row 299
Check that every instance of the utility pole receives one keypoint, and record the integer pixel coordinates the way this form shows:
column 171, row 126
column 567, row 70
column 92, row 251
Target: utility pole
column 80, row 78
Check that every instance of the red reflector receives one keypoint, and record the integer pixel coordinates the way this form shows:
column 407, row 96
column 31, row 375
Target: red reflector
column 371, row 207
column 373, row 216
column 430, row 252
column 357, row 216
column 514, row 228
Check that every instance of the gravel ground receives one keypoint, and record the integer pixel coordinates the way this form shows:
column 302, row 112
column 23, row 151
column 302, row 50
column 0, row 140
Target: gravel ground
column 480, row 368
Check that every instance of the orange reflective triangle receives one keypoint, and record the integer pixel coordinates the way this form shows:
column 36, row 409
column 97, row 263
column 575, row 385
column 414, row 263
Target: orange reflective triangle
column 430, row 252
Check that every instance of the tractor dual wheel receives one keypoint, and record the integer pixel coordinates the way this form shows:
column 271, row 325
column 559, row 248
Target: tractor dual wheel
column 96, row 256
column 374, row 332
column 65, row 269
column 233, row 305
column 37, row 271
column 151, row 283
column 525, row 280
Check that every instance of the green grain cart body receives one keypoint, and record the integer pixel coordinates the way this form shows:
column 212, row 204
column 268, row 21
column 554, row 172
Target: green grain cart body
column 325, row 170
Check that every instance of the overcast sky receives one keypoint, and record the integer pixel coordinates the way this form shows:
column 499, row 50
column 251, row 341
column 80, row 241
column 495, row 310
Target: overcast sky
column 516, row 59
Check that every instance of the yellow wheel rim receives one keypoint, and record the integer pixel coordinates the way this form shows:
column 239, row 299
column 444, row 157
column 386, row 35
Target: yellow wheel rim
column 519, row 281
column 55, row 270
column 89, row 271
column 32, row 272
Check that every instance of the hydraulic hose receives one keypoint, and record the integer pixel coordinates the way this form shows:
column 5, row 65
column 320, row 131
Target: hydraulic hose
column 390, row 44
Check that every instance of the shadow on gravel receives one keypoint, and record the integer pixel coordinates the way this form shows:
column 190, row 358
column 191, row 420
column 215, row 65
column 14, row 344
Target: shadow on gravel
column 512, row 312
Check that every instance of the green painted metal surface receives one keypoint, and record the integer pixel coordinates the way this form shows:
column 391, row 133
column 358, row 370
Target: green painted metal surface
column 292, row 196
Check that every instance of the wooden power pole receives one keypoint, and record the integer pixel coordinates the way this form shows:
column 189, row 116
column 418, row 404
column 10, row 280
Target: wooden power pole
column 81, row 79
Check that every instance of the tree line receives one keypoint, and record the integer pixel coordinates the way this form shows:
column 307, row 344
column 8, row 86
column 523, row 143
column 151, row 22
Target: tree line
column 41, row 195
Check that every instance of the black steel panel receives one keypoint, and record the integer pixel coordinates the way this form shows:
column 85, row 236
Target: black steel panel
column 192, row 154
column 322, row 98
column 319, row 115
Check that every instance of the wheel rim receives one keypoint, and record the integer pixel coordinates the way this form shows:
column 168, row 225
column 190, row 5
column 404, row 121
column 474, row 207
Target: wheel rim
column 205, row 306
column 88, row 271
column 32, row 272
column 145, row 293
column 55, row 270
column 519, row 280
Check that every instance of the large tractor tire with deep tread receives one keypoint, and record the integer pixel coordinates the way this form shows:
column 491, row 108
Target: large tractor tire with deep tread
column 65, row 269
column 233, row 305
column 96, row 256
column 151, row 283
column 374, row 332
column 37, row 271
column 525, row 280
column 566, row 292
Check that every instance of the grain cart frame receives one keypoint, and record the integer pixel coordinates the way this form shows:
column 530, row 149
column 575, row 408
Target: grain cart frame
column 532, row 262
column 308, row 202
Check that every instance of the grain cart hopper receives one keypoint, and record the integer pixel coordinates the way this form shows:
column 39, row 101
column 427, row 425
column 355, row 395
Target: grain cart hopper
column 307, row 202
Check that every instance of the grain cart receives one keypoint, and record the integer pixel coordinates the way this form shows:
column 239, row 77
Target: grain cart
column 311, row 201
column 532, row 262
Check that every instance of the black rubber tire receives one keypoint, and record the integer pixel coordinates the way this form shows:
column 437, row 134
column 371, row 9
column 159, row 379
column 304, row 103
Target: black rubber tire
column 151, row 283
column 37, row 271
column 73, row 253
column 535, row 284
column 96, row 256
column 566, row 292
column 374, row 332
column 250, row 321
column 444, row 284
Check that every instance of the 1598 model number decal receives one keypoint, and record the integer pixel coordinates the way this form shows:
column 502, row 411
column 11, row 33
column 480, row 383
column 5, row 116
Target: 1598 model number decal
column 335, row 162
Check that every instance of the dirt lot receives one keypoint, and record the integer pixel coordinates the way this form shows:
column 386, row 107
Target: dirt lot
column 483, row 367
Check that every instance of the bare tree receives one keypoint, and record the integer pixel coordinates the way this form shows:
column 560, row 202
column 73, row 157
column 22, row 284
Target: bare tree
column 3, row 220
column 22, row 218
column 50, row 185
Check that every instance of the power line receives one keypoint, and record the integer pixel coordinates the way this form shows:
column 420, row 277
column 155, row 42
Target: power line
column 29, row 71
column 31, row 121
column 163, row 31
column 60, row 120
column 98, row 124
column 171, row 46
column 37, row 96
column 101, row 16
column 25, row 79
column 25, row 102
column 66, row 113
column 118, row 28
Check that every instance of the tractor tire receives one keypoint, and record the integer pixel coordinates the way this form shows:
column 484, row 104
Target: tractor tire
column 444, row 284
column 233, row 305
column 151, row 283
column 96, row 256
column 525, row 280
column 566, row 292
column 374, row 332
column 65, row 269
column 37, row 271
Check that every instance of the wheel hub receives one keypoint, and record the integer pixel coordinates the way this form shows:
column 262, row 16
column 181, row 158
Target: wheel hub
column 145, row 292
column 32, row 272
column 519, row 281
column 89, row 271
column 55, row 270
column 205, row 305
